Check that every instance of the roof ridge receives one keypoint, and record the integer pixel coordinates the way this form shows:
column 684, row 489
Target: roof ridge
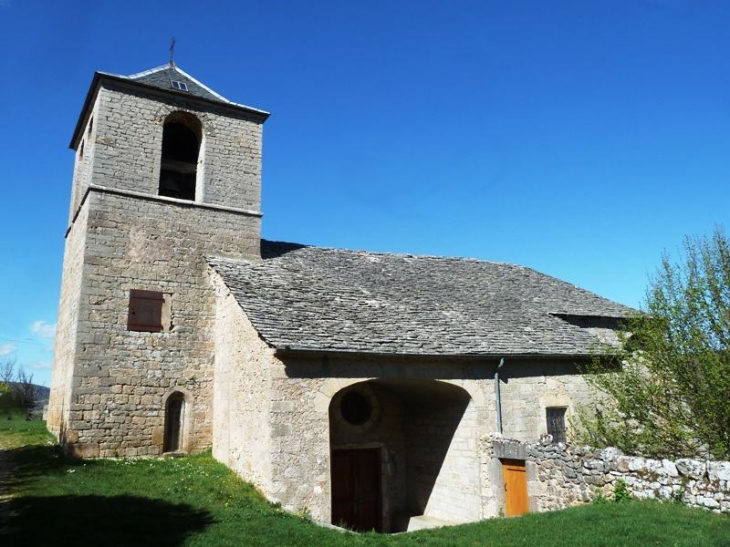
column 329, row 299
column 398, row 254
column 136, row 76
column 453, row 259
column 201, row 84
column 147, row 72
column 176, row 68
column 574, row 286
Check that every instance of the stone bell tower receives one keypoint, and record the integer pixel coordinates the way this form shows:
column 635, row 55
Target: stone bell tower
column 167, row 172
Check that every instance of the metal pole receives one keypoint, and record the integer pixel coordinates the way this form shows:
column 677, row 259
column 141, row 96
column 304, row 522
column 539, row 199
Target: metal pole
column 498, row 395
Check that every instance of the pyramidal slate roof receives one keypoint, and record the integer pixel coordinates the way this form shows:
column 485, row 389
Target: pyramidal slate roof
column 163, row 76
column 302, row 298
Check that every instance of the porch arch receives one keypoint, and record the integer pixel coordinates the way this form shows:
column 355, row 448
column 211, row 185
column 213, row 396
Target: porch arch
column 418, row 438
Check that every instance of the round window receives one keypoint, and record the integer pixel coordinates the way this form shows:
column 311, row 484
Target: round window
column 356, row 408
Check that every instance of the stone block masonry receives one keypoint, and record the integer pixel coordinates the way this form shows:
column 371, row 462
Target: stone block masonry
column 276, row 421
column 242, row 394
column 562, row 475
column 110, row 384
column 123, row 147
column 121, row 378
column 158, row 352
column 68, row 310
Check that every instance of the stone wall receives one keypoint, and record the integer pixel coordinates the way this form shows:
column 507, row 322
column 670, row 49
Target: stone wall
column 275, row 421
column 83, row 166
column 385, row 431
column 67, row 325
column 121, row 377
column 303, row 389
column 529, row 387
column 443, row 470
column 562, row 475
column 110, row 385
column 242, row 400
column 124, row 148
column 302, row 433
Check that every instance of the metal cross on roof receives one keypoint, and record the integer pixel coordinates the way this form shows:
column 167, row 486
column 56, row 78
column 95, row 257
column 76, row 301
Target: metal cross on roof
column 172, row 51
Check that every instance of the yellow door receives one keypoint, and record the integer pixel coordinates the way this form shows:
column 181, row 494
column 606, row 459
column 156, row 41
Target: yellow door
column 515, row 488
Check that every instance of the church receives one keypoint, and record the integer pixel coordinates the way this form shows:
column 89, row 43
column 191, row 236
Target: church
column 356, row 386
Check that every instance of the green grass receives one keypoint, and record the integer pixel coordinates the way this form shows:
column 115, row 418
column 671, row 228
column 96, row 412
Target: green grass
column 16, row 431
column 196, row 501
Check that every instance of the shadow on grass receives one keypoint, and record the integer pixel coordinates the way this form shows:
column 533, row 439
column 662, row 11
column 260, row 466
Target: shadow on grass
column 29, row 461
column 84, row 519
column 98, row 520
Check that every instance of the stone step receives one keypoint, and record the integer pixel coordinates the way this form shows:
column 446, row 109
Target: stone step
column 423, row 522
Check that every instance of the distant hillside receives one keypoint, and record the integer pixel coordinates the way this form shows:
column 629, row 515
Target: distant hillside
column 41, row 394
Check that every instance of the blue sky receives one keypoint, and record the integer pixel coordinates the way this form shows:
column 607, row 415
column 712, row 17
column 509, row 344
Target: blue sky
column 579, row 138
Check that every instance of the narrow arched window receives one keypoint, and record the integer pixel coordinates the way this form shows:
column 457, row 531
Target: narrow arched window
column 181, row 136
column 174, row 413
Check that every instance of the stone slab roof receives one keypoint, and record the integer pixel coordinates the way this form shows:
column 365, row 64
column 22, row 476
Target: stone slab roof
column 302, row 298
column 163, row 76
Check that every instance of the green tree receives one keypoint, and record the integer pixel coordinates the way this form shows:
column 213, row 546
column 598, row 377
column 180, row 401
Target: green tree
column 667, row 387
column 7, row 373
column 16, row 383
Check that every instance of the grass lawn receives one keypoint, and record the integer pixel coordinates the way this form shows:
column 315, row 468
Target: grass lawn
column 197, row 501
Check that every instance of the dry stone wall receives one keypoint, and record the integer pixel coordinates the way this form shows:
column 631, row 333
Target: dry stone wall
column 561, row 475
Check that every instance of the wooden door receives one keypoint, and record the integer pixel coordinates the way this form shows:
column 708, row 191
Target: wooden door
column 356, row 497
column 173, row 422
column 515, row 488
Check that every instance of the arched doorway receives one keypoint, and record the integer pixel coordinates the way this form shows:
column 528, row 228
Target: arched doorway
column 174, row 415
column 402, row 448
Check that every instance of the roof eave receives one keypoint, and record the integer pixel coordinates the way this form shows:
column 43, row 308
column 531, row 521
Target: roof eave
column 289, row 350
column 80, row 123
column 259, row 115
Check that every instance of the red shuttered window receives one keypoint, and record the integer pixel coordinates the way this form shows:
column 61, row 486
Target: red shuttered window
column 145, row 311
